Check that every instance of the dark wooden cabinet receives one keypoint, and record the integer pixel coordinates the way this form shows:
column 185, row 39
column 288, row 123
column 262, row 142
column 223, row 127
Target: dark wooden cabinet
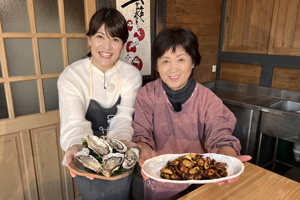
column 285, row 29
column 262, row 26
column 247, row 26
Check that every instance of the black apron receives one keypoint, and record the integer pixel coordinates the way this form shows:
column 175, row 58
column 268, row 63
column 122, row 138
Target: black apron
column 100, row 120
column 100, row 117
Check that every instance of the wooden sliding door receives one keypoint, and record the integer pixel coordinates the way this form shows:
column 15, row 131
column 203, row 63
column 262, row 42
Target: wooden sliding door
column 38, row 39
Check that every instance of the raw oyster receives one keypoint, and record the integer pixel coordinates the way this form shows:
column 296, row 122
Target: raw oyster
column 88, row 161
column 83, row 152
column 98, row 145
column 117, row 145
column 111, row 163
column 131, row 157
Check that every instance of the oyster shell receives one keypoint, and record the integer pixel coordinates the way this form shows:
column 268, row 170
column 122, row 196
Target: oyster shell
column 111, row 163
column 117, row 145
column 98, row 145
column 131, row 157
column 88, row 161
column 83, row 152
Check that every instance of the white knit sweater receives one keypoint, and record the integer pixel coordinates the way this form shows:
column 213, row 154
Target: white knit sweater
column 74, row 97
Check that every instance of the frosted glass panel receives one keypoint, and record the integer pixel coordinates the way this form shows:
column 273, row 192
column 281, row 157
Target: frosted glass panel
column 46, row 16
column 3, row 105
column 74, row 14
column 51, row 55
column 25, row 97
column 19, row 57
column 51, row 94
column 14, row 16
column 77, row 49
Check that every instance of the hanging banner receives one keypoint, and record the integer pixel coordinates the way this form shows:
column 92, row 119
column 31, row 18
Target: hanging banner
column 137, row 50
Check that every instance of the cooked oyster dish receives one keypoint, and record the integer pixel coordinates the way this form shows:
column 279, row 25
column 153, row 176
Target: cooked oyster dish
column 193, row 167
column 107, row 157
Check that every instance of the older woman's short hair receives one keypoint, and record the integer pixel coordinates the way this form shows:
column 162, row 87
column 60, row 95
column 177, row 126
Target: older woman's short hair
column 171, row 38
column 115, row 23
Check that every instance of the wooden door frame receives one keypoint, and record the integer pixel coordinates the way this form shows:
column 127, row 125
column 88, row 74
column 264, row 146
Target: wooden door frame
column 43, row 118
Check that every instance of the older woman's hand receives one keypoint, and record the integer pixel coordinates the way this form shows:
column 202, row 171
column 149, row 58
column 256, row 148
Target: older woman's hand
column 146, row 154
column 243, row 158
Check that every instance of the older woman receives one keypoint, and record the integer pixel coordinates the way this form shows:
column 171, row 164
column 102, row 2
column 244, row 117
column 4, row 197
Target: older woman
column 175, row 114
column 97, row 96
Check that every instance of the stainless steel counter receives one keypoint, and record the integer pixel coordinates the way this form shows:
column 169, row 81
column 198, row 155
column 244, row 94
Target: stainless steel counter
column 255, row 116
column 254, row 97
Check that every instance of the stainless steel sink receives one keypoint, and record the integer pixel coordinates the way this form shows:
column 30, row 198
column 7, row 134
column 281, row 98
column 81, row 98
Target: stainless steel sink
column 287, row 106
column 284, row 123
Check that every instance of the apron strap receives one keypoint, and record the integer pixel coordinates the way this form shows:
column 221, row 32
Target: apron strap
column 117, row 72
column 91, row 79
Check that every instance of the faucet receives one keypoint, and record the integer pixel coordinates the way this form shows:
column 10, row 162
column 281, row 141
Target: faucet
column 296, row 151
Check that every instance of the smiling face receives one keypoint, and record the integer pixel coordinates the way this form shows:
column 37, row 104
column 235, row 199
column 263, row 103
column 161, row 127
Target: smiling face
column 175, row 68
column 105, row 49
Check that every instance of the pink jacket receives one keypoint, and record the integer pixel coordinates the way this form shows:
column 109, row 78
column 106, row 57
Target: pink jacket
column 203, row 125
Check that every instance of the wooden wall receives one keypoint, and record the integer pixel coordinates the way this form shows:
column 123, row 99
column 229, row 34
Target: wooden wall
column 203, row 17
column 286, row 78
column 241, row 73
column 249, row 29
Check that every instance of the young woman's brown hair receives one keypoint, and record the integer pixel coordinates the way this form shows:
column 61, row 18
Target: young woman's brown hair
column 115, row 24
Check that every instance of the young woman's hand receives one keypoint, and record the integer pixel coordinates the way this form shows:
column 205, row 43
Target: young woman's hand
column 70, row 156
column 132, row 145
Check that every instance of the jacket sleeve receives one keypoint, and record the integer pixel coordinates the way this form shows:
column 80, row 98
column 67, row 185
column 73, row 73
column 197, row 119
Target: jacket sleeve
column 143, row 119
column 121, row 124
column 219, row 125
column 72, row 111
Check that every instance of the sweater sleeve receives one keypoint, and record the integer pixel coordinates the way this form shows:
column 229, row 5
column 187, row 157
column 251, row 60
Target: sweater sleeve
column 143, row 118
column 121, row 124
column 219, row 125
column 74, row 126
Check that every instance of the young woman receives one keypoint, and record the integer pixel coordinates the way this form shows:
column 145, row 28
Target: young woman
column 174, row 114
column 97, row 96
